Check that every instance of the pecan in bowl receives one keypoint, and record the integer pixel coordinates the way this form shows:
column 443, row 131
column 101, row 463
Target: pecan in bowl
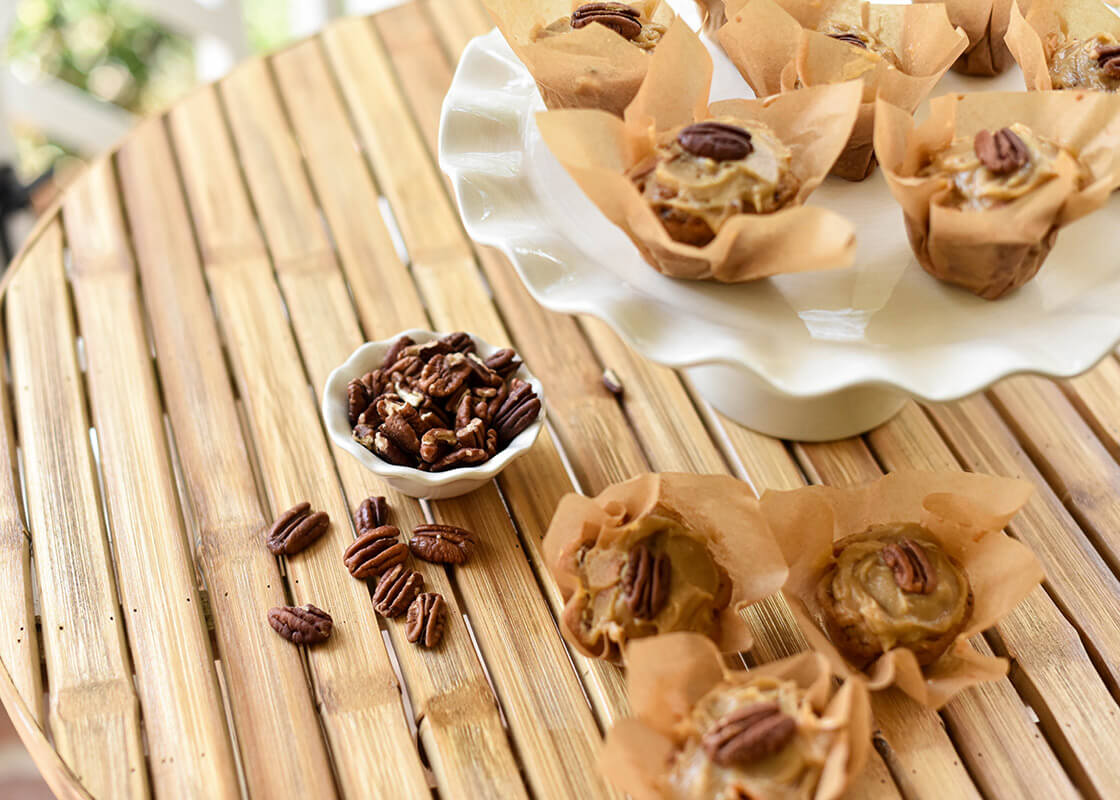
column 435, row 415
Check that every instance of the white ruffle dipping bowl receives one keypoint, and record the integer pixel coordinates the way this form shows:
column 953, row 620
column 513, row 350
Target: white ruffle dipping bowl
column 811, row 356
column 406, row 480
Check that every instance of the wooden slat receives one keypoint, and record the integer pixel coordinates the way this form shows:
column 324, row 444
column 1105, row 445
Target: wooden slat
column 188, row 743
column 93, row 709
column 1045, row 648
column 1080, row 581
column 359, row 696
column 452, row 701
column 1068, row 454
column 19, row 639
column 268, row 691
column 657, row 404
column 456, row 297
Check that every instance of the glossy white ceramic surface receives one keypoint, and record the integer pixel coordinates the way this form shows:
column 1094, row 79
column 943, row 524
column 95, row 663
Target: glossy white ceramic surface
column 883, row 326
column 413, row 482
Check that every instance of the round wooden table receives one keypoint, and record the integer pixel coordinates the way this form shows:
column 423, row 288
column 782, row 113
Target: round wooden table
column 168, row 328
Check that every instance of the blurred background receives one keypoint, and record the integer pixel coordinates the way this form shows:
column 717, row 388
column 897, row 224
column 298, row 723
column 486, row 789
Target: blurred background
column 76, row 74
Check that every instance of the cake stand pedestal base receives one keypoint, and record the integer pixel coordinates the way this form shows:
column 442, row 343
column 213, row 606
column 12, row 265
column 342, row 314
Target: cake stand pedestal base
column 740, row 395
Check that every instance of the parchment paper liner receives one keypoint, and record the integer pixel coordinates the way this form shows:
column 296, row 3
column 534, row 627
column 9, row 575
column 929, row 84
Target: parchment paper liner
column 720, row 509
column 776, row 47
column 592, row 67
column 966, row 514
column 990, row 252
column 1030, row 38
column 597, row 149
column 985, row 22
column 669, row 674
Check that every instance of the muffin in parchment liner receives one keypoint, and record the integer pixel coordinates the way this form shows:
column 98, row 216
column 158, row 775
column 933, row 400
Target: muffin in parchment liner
column 699, row 730
column 592, row 66
column 956, row 520
column 898, row 52
column 985, row 22
column 995, row 249
column 657, row 554
column 1058, row 45
column 791, row 143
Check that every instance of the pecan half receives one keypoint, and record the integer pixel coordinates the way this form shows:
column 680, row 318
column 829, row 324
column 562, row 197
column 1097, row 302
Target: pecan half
column 396, row 590
column 296, row 530
column 1108, row 60
column 504, row 362
column 437, row 443
column 372, row 513
column 749, row 734
column 1002, row 152
column 388, row 450
column 716, row 140
column 473, row 434
column 357, row 400
column 427, row 618
column 374, row 552
column 912, row 571
column 517, row 413
column 645, row 582
column 301, row 624
column 466, row 457
column 395, row 350
column 619, row 17
column 849, row 38
column 397, row 430
column 445, row 376
column 442, row 544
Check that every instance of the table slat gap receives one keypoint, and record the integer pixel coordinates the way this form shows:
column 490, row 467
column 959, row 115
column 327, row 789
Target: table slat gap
column 268, row 687
column 1045, row 646
column 93, row 708
column 189, row 747
column 448, row 686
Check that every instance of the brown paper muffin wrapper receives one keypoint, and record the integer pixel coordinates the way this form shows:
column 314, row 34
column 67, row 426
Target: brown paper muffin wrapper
column 985, row 23
column 718, row 509
column 598, row 149
column 1030, row 38
column 965, row 513
column 713, row 15
column 669, row 674
column 776, row 46
column 992, row 251
column 592, row 67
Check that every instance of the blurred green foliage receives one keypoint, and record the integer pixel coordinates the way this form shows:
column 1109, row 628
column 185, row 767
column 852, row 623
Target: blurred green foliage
column 104, row 47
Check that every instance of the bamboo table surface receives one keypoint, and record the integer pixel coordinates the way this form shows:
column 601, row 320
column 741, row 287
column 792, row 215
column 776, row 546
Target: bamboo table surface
column 168, row 328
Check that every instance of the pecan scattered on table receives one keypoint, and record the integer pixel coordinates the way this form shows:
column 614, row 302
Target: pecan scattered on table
column 427, row 618
column 296, row 530
column 301, row 624
column 396, row 589
column 749, row 734
column 438, row 406
column 375, row 551
column 441, row 544
column 372, row 513
column 912, row 571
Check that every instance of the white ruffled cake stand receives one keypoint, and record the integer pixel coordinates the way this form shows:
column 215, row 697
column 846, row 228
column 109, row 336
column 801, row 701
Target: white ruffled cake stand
column 812, row 356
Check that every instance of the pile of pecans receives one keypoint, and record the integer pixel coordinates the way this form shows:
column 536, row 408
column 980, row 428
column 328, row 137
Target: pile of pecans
column 438, row 405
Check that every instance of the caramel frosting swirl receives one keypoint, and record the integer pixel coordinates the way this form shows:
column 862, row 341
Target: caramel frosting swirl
column 976, row 187
column 1077, row 63
column 698, row 588
column 790, row 773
